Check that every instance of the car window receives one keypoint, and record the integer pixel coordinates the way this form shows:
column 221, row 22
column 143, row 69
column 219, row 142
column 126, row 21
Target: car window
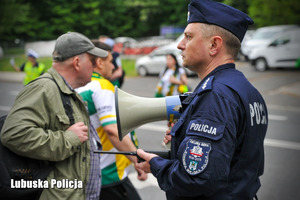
column 158, row 53
column 264, row 34
column 281, row 41
column 164, row 52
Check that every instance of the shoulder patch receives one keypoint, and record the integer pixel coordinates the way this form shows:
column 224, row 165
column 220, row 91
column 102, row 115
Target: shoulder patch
column 196, row 156
column 206, row 128
column 207, row 84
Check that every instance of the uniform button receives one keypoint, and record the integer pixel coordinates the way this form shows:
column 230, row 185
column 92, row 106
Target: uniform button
column 83, row 159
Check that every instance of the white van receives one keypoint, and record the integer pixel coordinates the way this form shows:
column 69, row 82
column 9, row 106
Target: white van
column 263, row 36
column 282, row 51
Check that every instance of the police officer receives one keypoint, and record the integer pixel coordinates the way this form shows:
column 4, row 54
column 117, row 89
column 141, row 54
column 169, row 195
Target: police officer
column 31, row 67
column 217, row 144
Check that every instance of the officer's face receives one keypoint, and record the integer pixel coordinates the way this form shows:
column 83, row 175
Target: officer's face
column 32, row 59
column 194, row 48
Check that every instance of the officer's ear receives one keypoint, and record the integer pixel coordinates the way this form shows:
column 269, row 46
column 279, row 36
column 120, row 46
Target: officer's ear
column 216, row 43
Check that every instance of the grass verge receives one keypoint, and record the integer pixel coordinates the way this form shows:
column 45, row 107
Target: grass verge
column 127, row 64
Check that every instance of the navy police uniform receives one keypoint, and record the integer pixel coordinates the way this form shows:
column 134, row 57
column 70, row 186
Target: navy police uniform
column 217, row 148
column 217, row 144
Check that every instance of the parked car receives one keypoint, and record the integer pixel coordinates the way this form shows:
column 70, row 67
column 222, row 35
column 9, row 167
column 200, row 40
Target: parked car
column 121, row 43
column 282, row 51
column 156, row 61
column 126, row 41
column 247, row 37
column 263, row 36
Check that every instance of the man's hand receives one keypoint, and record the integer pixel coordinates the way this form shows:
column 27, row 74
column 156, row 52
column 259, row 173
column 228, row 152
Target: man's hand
column 12, row 62
column 174, row 80
column 142, row 176
column 80, row 130
column 145, row 166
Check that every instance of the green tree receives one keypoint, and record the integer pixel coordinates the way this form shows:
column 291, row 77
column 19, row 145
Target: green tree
column 154, row 13
column 32, row 20
column 238, row 4
column 274, row 12
column 172, row 12
column 56, row 17
column 13, row 19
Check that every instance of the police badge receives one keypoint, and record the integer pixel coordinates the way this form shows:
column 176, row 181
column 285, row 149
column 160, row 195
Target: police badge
column 195, row 157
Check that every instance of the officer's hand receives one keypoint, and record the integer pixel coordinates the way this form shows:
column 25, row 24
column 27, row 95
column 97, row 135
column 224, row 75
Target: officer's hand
column 168, row 137
column 81, row 130
column 145, row 166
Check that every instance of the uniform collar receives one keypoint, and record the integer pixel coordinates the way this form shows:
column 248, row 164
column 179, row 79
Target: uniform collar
column 220, row 68
column 205, row 84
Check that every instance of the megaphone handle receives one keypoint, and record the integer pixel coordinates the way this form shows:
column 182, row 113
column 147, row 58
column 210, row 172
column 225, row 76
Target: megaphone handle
column 163, row 154
column 139, row 159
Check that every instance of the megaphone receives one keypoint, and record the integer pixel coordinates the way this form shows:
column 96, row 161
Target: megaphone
column 133, row 111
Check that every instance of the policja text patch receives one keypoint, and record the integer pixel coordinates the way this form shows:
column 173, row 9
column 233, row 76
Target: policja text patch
column 206, row 128
column 196, row 156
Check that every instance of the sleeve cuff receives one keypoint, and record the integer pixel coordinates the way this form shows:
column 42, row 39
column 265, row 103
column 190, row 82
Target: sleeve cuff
column 155, row 164
column 72, row 138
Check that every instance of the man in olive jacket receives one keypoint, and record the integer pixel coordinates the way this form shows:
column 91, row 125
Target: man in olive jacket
column 37, row 125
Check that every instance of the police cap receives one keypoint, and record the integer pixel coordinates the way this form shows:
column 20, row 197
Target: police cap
column 227, row 17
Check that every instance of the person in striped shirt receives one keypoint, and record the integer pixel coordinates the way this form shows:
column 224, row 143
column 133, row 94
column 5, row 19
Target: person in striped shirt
column 99, row 95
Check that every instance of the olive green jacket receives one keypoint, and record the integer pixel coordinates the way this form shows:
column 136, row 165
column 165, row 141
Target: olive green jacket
column 36, row 127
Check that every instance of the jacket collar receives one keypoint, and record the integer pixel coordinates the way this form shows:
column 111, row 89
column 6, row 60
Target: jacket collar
column 62, row 83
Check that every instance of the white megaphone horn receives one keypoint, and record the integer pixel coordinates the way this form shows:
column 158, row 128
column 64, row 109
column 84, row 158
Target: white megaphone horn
column 133, row 111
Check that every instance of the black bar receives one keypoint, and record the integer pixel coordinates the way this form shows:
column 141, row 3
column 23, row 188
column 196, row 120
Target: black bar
column 163, row 154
